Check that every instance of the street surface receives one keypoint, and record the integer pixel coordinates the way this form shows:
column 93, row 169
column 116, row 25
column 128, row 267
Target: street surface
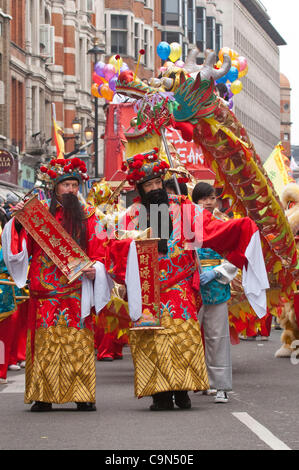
column 262, row 413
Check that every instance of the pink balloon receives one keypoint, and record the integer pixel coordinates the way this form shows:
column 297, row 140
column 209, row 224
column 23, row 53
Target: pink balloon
column 109, row 71
column 180, row 64
column 243, row 63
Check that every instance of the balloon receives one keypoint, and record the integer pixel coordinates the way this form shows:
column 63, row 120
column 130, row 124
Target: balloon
column 112, row 83
column 234, row 54
column 236, row 87
column 99, row 68
column 106, row 92
column 236, row 63
column 116, row 62
column 224, row 50
column 243, row 63
column 163, row 50
column 230, row 103
column 180, row 64
column 168, row 64
column 243, row 72
column 109, row 71
column 162, row 69
column 94, row 90
column 233, row 74
column 124, row 67
column 175, row 51
column 222, row 79
column 97, row 79
column 219, row 64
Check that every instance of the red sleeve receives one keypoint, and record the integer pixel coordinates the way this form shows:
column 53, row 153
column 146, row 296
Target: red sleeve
column 17, row 240
column 228, row 238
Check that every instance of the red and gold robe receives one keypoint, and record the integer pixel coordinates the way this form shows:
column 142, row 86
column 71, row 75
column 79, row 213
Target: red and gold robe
column 173, row 358
column 60, row 364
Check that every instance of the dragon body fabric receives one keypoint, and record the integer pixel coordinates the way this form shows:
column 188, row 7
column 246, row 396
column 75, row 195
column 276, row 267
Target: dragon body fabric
column 193, row 107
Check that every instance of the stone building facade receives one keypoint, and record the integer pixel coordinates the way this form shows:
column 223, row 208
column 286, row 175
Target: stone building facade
column 285, row 113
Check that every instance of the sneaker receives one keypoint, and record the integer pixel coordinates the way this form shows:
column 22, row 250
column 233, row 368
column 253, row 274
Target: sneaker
column 22, row 364
column 210, row 391
column 221, row 397
column 14, row 367
column 3, row 381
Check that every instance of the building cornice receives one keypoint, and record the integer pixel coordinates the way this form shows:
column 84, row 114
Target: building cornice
column 259, row 13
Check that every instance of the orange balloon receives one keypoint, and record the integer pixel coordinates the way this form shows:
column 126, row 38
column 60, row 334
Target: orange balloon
column 106, row 92
column 224, row 50
column 236, row 63
column 94, row 90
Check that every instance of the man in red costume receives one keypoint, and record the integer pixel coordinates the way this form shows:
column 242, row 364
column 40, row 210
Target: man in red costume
column 170, row 362
column 60, row 364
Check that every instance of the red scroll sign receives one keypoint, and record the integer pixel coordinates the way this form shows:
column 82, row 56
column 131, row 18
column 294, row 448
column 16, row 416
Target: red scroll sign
column 147, row 252
column 53, row 239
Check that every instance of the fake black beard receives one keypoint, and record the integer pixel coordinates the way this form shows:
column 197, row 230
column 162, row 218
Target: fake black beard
column 159, row 197
column 73, row 218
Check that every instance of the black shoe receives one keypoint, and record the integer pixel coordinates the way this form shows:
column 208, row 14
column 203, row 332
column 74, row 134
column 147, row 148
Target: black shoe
column 162, row 401
column 86, row 406
column 41, row 406
column 182, row 400
column 106, row 359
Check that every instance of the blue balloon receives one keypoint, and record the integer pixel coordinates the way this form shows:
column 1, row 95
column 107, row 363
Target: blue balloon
column 163, row 50
column 233, row 74
column 222, row 79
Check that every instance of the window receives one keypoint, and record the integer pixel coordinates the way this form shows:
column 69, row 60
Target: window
column 170, row 12
column 201, row 28
column 286, row 136
column 171, row 37
column 286, row 107
column 146, row 47
column 219, row 37
column 190, row 21
column 211, row 33
column 119, row 34
column 136, row 41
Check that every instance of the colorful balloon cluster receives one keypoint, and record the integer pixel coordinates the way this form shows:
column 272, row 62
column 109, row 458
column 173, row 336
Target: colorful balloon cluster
column 105, row 76
column 239, row 68
column 171, row 53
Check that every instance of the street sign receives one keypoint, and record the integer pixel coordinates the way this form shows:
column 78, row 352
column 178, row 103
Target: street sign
column 6, row 161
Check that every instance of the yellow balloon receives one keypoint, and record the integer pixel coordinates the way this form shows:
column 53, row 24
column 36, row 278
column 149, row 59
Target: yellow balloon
column 234, row 55
column 243, row 72
column 116, row 62
column 175, row 51
column 236, row 87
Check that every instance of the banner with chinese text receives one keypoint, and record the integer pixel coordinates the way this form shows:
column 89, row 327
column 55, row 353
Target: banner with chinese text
column 53, row 239
column 147, row 253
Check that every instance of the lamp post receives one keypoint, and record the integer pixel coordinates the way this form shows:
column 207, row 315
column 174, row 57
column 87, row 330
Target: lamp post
column 96, row 51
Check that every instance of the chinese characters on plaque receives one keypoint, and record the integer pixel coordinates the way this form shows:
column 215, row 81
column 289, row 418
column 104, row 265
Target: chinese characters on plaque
column 53, row 239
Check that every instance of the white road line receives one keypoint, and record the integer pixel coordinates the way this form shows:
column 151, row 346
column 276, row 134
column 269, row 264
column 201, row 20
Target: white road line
column 263, row 433
column 15, row 384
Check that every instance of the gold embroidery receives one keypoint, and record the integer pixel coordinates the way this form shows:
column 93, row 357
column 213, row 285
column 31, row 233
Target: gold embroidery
column 63, row 367
column 169, row 359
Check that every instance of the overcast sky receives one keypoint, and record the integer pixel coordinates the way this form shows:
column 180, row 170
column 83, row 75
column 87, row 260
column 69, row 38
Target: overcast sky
column 285, row 18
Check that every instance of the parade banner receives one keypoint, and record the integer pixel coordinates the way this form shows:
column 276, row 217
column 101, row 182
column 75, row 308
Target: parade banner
column 147, row 253
column 53, row 239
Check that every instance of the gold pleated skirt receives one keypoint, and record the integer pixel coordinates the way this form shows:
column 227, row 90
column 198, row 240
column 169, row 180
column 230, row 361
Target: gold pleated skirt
column 62, row 366
column 169, row 359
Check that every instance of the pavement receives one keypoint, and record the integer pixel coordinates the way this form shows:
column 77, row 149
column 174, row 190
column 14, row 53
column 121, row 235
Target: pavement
column 262, row 412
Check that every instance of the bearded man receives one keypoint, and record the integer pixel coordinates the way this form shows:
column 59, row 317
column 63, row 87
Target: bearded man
column 60, row 363
column 169, row 362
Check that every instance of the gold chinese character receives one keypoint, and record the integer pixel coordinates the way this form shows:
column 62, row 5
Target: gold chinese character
column 37, row 222
column 64, row 251
column 54, row 241
column 145, row 286
column 146, row 299
column 46, row 230
column 145, row 272
column 144, row 259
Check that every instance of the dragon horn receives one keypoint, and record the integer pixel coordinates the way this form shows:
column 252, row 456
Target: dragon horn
column 207, row 72
column 224, row 69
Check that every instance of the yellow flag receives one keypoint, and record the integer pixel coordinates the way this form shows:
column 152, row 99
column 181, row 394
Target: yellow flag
column 278, row 169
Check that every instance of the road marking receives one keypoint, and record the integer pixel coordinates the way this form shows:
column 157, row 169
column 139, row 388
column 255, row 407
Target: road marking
column 263, row 433
column 15, row 384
